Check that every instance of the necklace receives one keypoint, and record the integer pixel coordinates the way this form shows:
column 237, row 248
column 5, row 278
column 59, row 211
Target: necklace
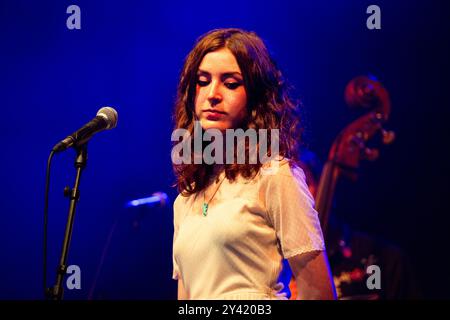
column 206, row 204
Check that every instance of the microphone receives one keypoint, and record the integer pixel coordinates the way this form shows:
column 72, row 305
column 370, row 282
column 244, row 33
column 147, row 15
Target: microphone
column 105, row 119
column 158, row 198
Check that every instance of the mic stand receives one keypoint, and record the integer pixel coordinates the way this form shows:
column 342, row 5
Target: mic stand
column 56, row 292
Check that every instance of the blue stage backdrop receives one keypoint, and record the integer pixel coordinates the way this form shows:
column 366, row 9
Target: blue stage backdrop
column 128, row 55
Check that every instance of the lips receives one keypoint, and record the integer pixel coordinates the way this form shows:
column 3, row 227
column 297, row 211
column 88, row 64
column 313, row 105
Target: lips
column 214, row 114
column 213, row 111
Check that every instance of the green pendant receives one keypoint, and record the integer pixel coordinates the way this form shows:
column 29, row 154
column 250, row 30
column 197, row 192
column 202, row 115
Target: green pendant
column 205, row 209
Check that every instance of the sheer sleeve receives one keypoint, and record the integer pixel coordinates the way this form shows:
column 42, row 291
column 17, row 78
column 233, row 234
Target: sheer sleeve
column 175, row 271
column 290, row 210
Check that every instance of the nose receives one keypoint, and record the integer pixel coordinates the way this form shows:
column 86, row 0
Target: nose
column 214, row 94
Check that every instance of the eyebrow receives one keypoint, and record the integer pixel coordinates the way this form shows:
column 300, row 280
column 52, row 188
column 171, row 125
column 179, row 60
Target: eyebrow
column 224, row 75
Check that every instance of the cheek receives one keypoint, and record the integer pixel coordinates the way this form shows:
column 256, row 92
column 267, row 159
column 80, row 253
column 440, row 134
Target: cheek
column 238, row 109
column 239, row 103
column 198, row 99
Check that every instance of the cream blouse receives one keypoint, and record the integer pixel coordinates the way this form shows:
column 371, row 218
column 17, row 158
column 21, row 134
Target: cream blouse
column 236, row 251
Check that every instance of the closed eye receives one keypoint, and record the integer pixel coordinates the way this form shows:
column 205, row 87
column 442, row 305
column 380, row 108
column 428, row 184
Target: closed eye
column 202, row 83
column 232, row 85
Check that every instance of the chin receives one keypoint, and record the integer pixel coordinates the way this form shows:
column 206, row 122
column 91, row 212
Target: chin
column 207, row 124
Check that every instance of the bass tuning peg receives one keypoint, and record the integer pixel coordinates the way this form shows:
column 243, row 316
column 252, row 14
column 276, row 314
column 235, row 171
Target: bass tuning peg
column 371, row 154
column 388, row 136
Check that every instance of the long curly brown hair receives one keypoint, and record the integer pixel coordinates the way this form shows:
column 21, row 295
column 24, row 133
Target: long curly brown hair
column 269, row 105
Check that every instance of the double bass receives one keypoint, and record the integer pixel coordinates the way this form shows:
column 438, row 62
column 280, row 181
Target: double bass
column 350, row 146
column 347, row 151
column 353, row 252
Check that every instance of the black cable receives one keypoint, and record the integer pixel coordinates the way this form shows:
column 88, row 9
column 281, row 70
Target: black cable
column 47, row 187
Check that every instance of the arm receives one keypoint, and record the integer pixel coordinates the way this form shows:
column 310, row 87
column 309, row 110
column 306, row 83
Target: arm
column 182, row 295
column 312, row 276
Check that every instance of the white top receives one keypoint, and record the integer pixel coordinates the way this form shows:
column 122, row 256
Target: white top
column 236, row 251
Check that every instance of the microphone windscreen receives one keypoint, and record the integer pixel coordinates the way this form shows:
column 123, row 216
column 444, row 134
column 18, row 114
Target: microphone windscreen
column 110, row 115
